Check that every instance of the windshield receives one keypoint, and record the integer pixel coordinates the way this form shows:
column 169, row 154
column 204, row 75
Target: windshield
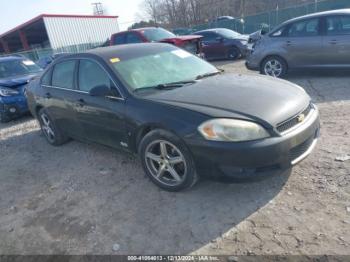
column 227, row 33
column 18, row 67
column 162, row 68
column 157, row 34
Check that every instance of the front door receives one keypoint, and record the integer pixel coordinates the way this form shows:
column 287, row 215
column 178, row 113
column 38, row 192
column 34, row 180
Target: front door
column 304, row 43
column 212, row 45
column 102, row 118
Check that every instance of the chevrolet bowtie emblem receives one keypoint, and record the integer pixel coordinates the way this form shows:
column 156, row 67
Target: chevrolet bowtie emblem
column 301, row 118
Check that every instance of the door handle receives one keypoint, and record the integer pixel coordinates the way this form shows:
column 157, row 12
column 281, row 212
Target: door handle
column 80, row 103
column 289, row 43
column 333, row 42
column 48, row 95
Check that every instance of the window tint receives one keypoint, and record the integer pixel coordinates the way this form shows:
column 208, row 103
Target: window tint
column 338, row 25
column 46, row 79
column 91, row 75
column 304, row 28
column 119, row 39
column 132, row 38
column 63, row 75
column 209, row 36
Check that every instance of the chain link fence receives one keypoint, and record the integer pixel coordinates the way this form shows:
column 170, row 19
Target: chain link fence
column 249, row 24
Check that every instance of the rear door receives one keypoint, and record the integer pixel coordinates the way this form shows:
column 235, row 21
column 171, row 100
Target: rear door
column 337, row 40
column 102, row 118
column 60, row 96
column 304, row 43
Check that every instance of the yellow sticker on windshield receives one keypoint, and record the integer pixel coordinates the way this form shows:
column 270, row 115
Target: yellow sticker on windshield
column 114, row 60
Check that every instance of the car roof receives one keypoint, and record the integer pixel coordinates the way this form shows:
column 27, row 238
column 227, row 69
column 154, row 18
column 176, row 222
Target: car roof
column 213, row 30
column 124, row 52
column 11, row 58
column 320, row 14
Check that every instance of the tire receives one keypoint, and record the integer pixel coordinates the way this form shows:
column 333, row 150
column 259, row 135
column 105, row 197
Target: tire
column 52, row 132
column 233, row 53
column 274, row 66
column 175, row 156
column 4, row 118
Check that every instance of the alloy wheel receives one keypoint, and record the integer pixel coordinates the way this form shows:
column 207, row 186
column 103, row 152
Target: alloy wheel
column 273, row 68
column 47, row 128
column 165, row 162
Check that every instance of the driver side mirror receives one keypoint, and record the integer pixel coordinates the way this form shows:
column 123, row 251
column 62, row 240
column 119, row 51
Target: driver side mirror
column 263, row 31
column 101, row 90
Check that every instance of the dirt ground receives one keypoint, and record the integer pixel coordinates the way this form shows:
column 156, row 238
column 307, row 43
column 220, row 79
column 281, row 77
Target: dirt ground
column 89, row 199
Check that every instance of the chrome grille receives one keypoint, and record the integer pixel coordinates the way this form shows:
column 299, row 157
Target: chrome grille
column 283, row 127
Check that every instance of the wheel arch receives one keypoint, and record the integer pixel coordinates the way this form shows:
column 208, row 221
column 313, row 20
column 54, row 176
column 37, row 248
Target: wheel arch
column 273, row 55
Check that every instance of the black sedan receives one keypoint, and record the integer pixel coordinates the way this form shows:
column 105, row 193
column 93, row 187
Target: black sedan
column 222, row 43
column 179, row 113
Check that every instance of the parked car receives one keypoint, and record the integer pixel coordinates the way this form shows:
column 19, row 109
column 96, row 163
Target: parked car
column 320, row 40
column 222, row 43
column 190, row 43
column 178, row 112
column 15, row 73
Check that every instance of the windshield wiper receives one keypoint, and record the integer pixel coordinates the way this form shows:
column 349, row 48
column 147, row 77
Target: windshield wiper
column 208, row 75
column 167, row 85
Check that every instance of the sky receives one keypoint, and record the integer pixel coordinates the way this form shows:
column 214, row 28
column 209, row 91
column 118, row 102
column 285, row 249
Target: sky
column 15, row 12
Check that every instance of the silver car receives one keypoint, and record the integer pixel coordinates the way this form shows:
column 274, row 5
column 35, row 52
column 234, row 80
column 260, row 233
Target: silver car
column 320, row 40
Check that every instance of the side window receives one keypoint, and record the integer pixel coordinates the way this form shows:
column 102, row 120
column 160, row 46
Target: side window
column 304, row 28
column 63, row 74
column 91, row 75
column 209, row 37
column 119, row 39
column 46, row 79
column 338, row 25
column 132, row 38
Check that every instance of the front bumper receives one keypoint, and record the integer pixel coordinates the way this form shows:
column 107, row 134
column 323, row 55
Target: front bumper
column 256, row 159
column 13, row 106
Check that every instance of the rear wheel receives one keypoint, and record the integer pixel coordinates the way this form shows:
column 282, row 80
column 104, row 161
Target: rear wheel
column 51, row 131
column 274, row 66
column 167, row 161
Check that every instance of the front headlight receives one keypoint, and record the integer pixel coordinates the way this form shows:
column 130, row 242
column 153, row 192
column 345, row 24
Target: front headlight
column 232, row 130
column 8, row 92
column 244, row 42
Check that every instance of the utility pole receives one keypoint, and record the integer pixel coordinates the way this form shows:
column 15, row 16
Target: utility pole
column 97, row 8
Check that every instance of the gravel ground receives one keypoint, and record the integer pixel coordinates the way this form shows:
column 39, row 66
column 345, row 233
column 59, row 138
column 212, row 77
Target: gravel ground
column 89, row 199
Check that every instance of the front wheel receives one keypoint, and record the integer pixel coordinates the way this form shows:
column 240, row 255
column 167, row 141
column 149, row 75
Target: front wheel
column 274, row 66
column 167, row 161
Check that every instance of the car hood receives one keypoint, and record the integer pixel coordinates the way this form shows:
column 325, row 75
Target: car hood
column 266, row 100
column 16, row 81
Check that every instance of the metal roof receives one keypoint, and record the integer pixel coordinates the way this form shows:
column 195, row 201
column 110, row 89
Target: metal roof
column 37, row 18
